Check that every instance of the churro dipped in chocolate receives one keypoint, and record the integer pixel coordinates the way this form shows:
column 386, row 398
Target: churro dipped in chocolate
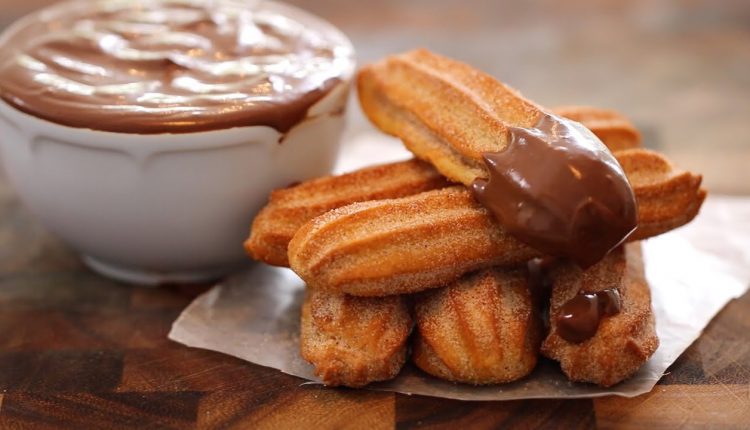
column 398, row 246
column 601, row 322
column 481, row 329
column 549, row 181
column 430, row 239
column 289, row 208
column 353, row 341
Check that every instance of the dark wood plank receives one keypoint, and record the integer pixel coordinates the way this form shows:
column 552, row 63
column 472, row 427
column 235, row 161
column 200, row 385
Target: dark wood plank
column 177, row 368
column 108, row 410
column 52, row 371
column 427, row 413
column 298, row 407
column 678, row 407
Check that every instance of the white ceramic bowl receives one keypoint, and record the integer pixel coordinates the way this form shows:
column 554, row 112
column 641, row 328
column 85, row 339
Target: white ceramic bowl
column 151, row 209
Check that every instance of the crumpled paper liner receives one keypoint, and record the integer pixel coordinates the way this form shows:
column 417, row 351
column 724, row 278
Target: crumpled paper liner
column 693, row 272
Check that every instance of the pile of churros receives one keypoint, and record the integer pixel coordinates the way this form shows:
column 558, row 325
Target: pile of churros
column 512, row 233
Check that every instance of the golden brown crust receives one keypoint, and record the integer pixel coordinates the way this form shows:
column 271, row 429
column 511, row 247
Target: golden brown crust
column 623, row 342
column 427, row 240
column 584, row 114
column 353, row 341
column 405, row 95
column 482, row 329
column 289, row 208
column 667, row 196
column 399, row 246
column 614, row 129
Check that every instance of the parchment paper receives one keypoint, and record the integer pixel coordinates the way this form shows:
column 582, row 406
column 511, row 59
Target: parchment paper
column 693, row 272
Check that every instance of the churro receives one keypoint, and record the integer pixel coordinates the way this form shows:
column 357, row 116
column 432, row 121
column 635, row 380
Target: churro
column 289, row 208
column 481, row 329
column 353, row 341
column 601, row 322
column 507, row 150
column 614, row 129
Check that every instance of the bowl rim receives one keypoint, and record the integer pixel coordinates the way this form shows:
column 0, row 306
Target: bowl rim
column 34, row 128
column 158, row 142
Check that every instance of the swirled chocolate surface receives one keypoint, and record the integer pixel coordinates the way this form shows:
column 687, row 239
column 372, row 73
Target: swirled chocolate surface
column 171, row 66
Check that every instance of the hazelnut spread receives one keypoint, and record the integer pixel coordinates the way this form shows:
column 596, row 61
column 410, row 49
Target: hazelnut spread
column 557, row 188
column 171, row 66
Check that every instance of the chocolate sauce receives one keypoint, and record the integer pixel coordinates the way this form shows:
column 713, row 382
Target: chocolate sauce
column 580, row 316
column 171, row 66
column 557, row 188
column 540, row 278
column 540, row 285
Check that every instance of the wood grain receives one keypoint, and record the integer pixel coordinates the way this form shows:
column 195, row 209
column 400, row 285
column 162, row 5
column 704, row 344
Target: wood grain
column 80, row 351
column 679, row 406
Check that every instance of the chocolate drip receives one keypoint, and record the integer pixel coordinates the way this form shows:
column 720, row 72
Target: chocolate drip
column 171, row 66
column 557, row 188
column 540, row 285
column 540, row 278
column 580, row 316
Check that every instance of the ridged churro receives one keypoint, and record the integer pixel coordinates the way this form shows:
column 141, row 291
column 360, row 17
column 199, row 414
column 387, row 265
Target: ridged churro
column 405, row 95
column 402, row 245
column 489, row 98
column 667, row 196
column 353, row 341
column 289, row 208
column 614, row 129
column 481, row 329
column 507, row 150
column 601, row 349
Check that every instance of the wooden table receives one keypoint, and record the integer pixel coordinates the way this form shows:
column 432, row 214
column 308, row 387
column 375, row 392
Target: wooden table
column 80, row 351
